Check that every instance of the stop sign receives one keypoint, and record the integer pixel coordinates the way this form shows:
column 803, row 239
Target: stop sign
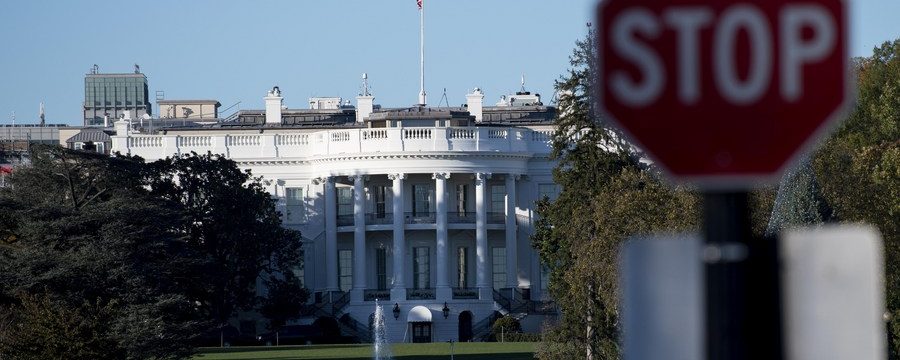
column 723, row 93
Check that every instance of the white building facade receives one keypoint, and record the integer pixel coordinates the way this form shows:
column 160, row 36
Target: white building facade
column 428, row 210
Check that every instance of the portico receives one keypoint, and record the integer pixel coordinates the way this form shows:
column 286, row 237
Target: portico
column 421, row 205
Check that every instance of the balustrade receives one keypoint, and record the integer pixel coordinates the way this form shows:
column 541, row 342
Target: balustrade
column 344, row 142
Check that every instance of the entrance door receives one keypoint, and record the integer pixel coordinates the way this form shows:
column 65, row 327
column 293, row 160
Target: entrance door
column 421, row 332
column 465, row 326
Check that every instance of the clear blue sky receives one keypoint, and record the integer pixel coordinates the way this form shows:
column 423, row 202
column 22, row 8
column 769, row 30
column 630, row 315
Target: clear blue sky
column 235, row 50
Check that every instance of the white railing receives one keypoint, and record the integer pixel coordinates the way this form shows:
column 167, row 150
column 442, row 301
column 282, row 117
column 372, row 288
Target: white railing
column 195, row 141
column 462, row 133
column 417, row 133
column 292, row 139
column 243, row 140
column 145, row 141
column 343, row 141
column 379, row 134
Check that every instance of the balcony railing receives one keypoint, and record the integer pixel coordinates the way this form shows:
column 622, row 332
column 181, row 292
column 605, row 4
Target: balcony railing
column 465, row 293
column 373, row 294
column 379, row 218
column 420, row 217
column 334, row 142
column 461, row 217
column 420, row 294
column 345, row 220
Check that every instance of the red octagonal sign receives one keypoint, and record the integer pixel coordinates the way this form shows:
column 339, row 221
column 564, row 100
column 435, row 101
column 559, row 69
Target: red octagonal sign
column 723, row 93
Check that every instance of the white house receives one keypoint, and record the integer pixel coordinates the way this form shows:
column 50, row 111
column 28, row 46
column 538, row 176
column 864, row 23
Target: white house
column 429, row 210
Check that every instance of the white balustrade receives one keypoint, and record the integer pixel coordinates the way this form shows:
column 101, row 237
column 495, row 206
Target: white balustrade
column 195, row 141
column 292, row 139
column 417, row 133
column 243, row 140
column 344, row 141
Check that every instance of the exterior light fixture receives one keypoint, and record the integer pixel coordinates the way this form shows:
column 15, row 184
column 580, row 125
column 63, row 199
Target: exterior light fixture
column 446, row 310
column 396, row 311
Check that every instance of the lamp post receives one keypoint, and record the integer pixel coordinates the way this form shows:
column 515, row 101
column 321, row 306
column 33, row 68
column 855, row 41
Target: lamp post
column 446, row 310
column 396, row 311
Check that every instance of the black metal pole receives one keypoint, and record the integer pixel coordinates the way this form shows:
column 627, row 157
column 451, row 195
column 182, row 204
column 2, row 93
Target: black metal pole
column 743, row 295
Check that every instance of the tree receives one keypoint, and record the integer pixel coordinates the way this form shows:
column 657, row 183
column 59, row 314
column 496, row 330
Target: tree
column 91, row 254
column 232, row 220
column 284, row 301
column 607, row 194
column 858, row 168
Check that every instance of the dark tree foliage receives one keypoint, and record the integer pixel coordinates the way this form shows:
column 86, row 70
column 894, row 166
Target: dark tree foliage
column 607, row 194
column 284, row 301
column 233, row 221
column 858, row 168
column 86, row 243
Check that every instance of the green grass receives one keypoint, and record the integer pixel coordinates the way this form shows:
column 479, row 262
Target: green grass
column 430, row 351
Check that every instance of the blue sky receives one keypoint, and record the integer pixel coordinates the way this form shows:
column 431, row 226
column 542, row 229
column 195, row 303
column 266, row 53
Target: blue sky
column 235, row 50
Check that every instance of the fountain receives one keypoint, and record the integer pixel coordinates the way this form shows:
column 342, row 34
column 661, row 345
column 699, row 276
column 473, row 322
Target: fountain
column 382, row 350
column 799, row 201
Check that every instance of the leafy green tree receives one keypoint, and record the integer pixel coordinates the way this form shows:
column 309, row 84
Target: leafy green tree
column 232, row 220
column 858, row 168
column 85, row 236
column 608, row 194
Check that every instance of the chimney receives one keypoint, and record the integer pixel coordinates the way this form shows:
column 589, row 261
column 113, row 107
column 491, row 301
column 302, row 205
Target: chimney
column 365, row 104
column 273, row 106
column 475, row 103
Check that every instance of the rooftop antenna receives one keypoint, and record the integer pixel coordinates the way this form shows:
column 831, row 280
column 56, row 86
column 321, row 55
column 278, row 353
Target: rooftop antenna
column 13, row 118
column 365, row 91
column 95, row 69
column 523, row 82
column 137, row 69
column 444, row 99
column 42, row 114
column 422, row 97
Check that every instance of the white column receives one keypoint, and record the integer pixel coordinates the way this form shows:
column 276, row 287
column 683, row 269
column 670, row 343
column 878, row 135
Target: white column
column 512, row 268
column 359, row 238
column 442, row 285
column 481, row 243
column 331, row 256
column 398, row 290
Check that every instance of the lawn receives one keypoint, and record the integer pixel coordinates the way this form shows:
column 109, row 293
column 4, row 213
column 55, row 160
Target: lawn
column 430, row 351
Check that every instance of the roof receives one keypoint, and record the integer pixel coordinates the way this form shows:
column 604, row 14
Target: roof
column 420, row 112
column 90, row 135
column 326, row 118
column 176, row 102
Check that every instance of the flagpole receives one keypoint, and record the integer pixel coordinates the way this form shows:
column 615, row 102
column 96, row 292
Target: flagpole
column 422, row 54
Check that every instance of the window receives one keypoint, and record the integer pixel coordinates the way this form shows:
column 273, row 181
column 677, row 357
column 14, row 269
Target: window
column 345, row 269
column 421, row 268
column 381, row 268
column 295, row 211
column 422, row 196
column 380, row 201
column 498, row 264
column 547, row 191
column 462, row 198
column 462, row 262
column 345, row 200
column 498, row 199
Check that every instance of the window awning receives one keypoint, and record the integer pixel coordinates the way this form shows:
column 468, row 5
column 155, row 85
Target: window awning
column 419, row 314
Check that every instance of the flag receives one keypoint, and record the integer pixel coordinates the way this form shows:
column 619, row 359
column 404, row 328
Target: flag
column 419, row 3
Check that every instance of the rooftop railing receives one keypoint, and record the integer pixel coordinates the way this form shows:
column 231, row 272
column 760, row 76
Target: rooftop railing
column 337, row 142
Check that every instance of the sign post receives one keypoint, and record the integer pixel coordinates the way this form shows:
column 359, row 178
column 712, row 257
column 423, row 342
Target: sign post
column 726, row 95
